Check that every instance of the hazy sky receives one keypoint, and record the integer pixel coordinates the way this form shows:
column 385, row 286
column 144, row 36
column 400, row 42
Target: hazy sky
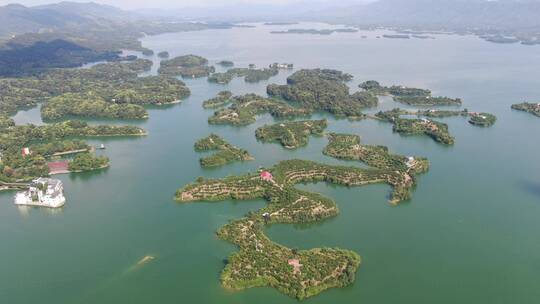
column 130, row 4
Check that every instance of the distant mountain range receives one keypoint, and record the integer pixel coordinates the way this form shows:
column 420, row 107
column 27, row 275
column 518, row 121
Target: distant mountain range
column 90, row 25
column 450, row 14
column 17, row 19
column 105, row 27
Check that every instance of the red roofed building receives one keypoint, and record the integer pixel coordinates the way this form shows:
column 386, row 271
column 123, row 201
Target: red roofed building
column 58, row 167
column 25, row 151
column 266, row 176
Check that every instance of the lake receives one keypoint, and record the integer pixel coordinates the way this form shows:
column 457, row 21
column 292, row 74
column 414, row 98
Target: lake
column 469, row 233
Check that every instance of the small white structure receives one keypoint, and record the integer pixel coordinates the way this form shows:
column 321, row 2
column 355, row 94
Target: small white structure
column 410, row 162
column 281, row 66
column 43, row 192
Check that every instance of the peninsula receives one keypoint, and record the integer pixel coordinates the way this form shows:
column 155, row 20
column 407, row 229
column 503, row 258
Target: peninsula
column 226, row 63
column 348, row 147
column 291, row 135
column 222, row 99
column 29, row 151
column 226, row 153
column 262, row 262
column 163, row 55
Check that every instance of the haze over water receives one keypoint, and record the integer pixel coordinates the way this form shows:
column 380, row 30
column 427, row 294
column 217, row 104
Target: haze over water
column 469, row 233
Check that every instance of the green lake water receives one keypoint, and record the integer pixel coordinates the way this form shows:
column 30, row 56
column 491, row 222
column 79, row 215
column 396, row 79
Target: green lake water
column 468, row 235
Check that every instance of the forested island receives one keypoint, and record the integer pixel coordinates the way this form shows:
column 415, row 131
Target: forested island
column 482, row 119
column 110, row 90
column 250, row 75
column 48, row 141
column 280, row 23
column 409, row 96
column 261, row 262
column 291, row 135
column 163, row 55
column 223, row 98
column 408, row 126
column 396, row 36
column 147, row 52
column 226, row 63
column 244, row 109
column 226, row 153
column 324, row 90
column 533, row 108
column 188, row 66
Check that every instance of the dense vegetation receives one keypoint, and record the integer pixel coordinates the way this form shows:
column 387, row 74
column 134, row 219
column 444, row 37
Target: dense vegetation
column 191, row 66
column 348, row 147
column 291, row 135
column 104, row 90
column 261, row 262
column 323, row 90
column 436, row 130
column 226, row 63
column 46, row 55
column 428, row 101
column 400, row 91
column 533, row 108
column 477, row 119
column 250, row 75
column 221, row 78
column 254, row 75
column 244, row 109
column 163, row 55
column 88, row 162
column 89, row 105
column 44, row 142
column 482, row 119
column 223, row 98
column 226, row 153
column 54, row 148
column 410, row 96
column 442, row 113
